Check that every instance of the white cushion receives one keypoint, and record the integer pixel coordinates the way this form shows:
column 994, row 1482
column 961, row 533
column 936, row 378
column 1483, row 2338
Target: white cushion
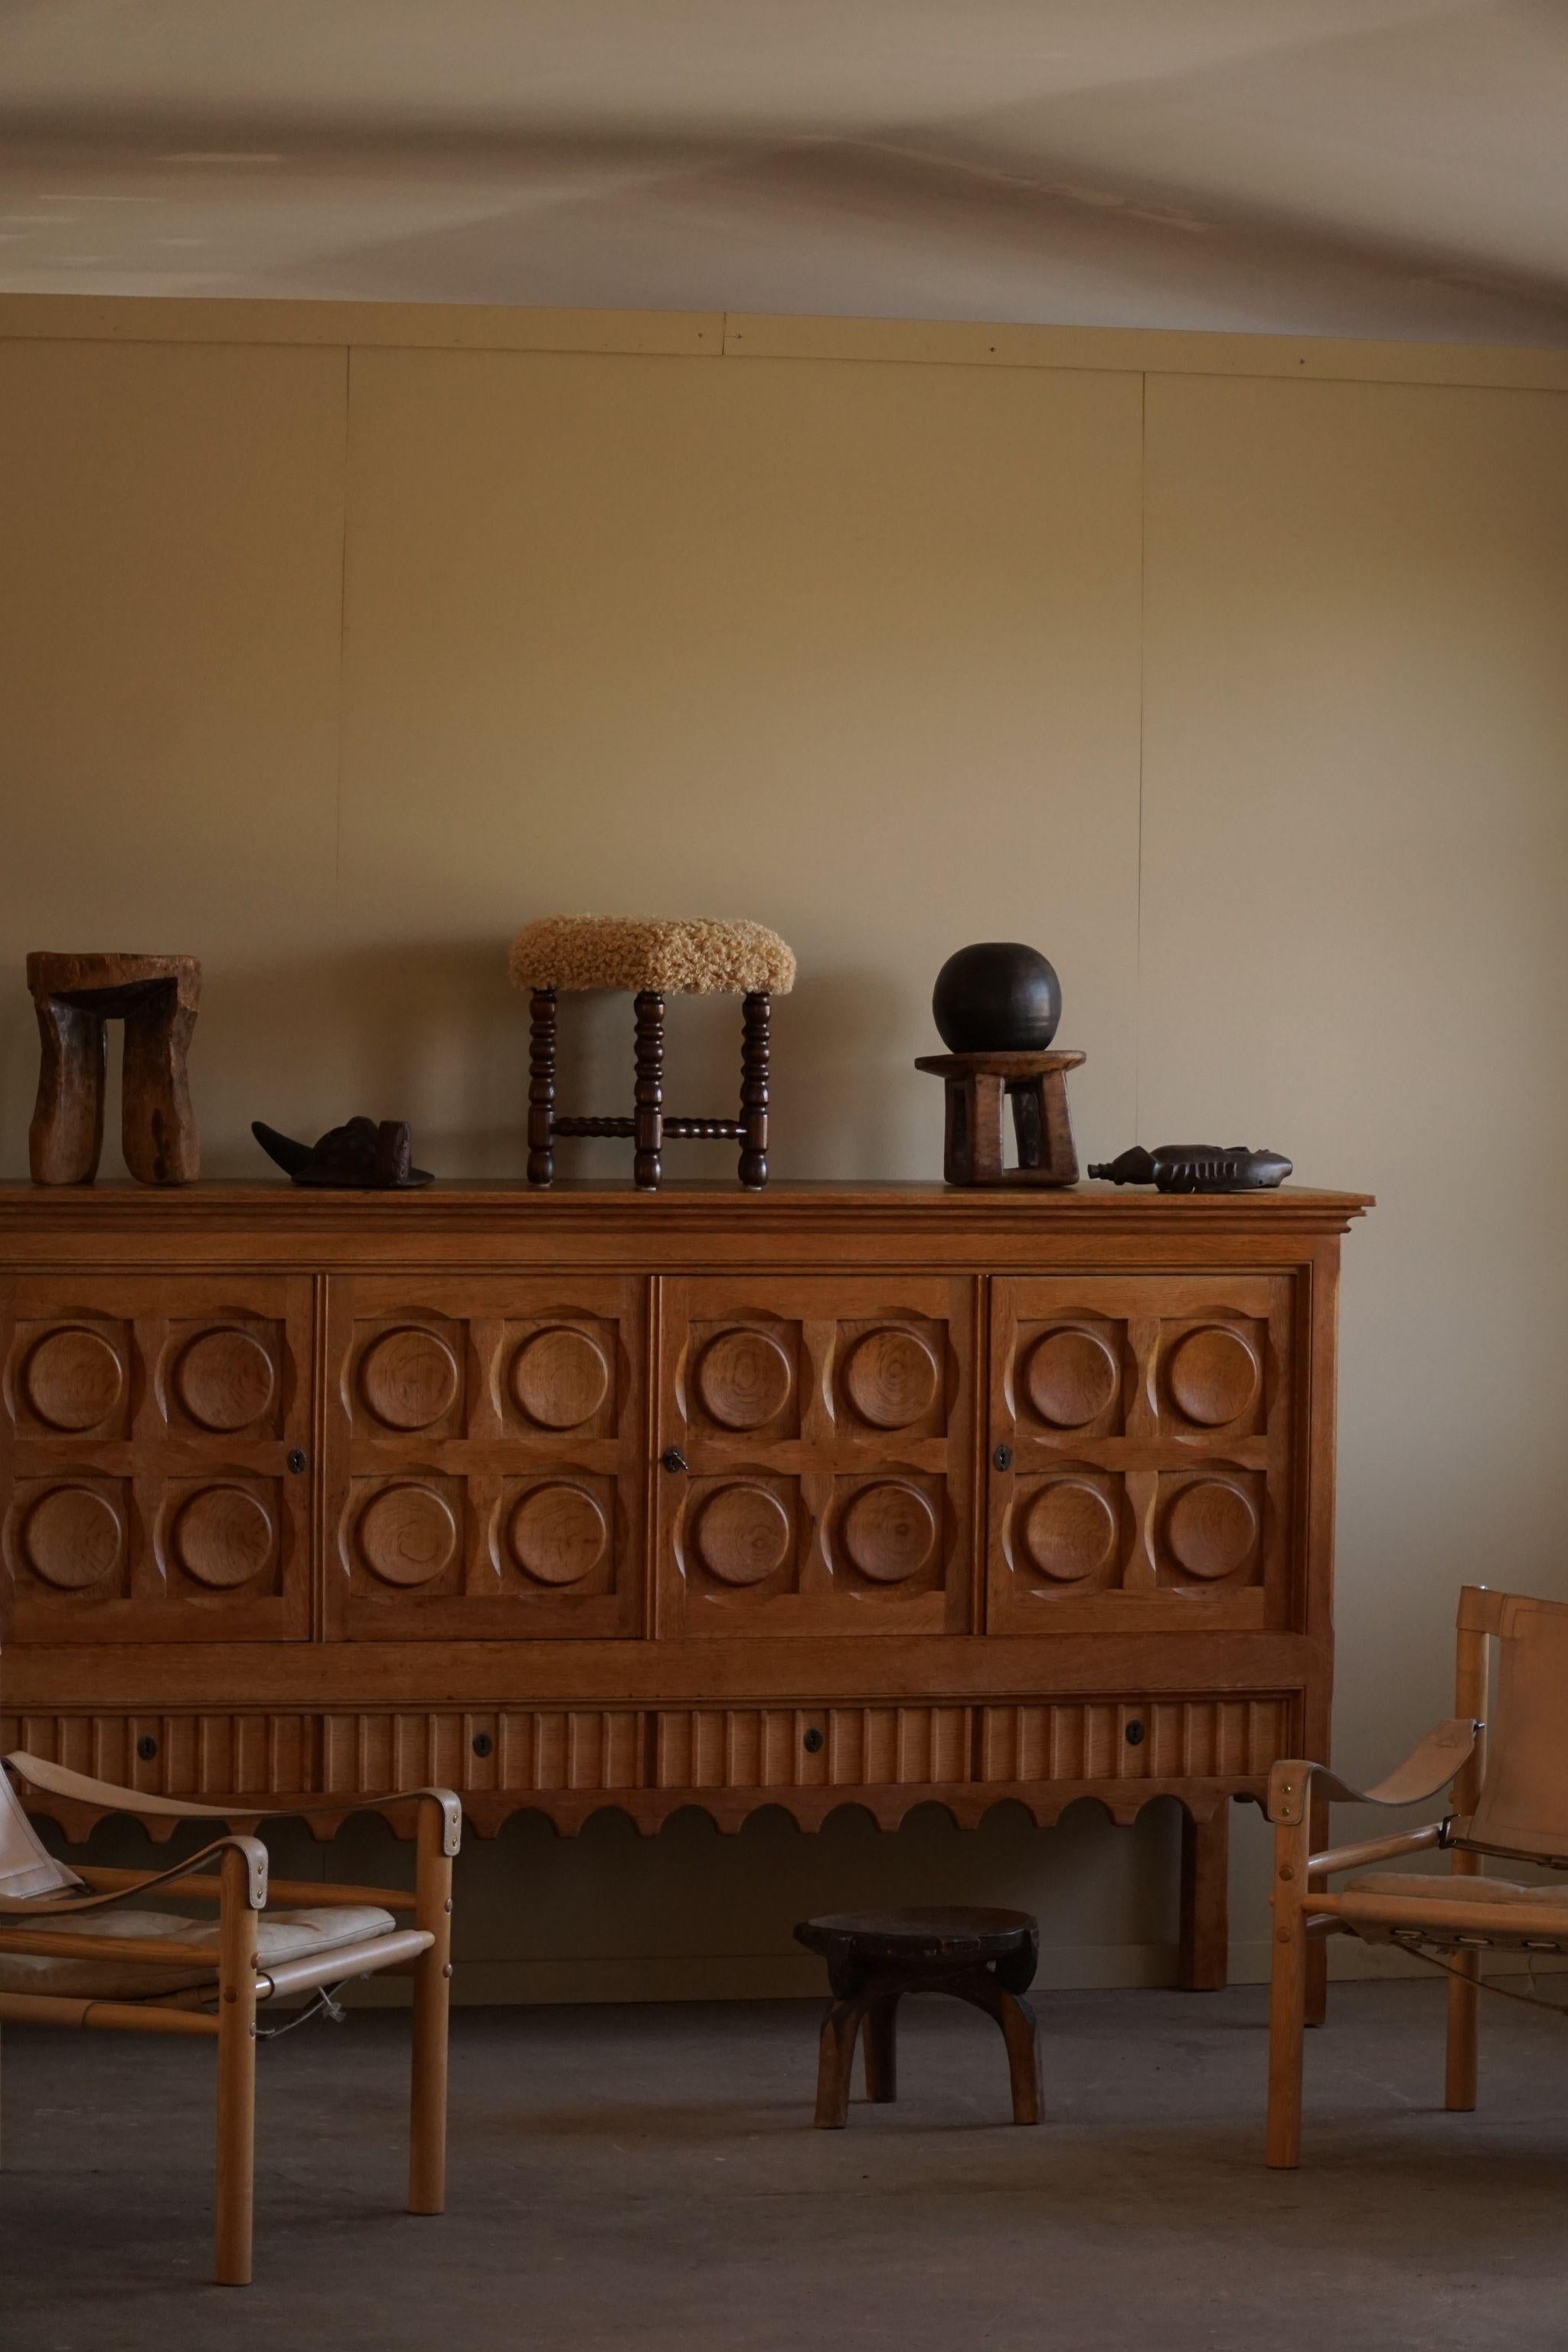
column 281, row 1936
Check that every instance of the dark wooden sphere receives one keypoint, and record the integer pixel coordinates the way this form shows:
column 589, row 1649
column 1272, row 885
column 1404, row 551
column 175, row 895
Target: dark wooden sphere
column 997, row 997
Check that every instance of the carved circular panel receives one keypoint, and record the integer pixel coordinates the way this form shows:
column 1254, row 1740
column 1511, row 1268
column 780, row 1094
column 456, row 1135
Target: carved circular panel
column 225, row 1379
column 1214, row 1375
column 1072, row 1377
column 222, row 1537
column 73, row 1378
column 1211, row 1527
column 558, row 1533
column 889, row 1531
column 1069, row 1531
column 407, row 1534
column 72, row 1537
column 408, row 1378
column 560, row 1378
column 891, row 1377
column 743, row 1379
column 743, row 1535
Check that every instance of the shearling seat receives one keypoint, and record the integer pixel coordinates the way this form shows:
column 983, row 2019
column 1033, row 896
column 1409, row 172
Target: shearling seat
column 699, row 957
column 281, row 1936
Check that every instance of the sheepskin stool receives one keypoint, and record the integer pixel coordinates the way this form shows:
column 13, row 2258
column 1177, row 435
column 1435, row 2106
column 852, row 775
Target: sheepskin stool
column 651, row 960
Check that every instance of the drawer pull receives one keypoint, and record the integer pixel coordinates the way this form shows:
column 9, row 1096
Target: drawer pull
column 483, row 1744
column 673, row 1458
column 146, row 1747
column 812, row 1741
column 1134, row 1735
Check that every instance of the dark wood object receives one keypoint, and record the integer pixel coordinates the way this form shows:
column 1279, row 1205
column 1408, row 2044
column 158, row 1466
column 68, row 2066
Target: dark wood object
column 1196, row 1168
column 650, row 1126
column 851, row 1495
column 977, row 1086
column 157, row 998
column 874, row 1958
column 364, row 1155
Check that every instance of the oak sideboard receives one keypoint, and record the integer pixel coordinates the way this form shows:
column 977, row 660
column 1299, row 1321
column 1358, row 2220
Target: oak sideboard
column 837, row 1495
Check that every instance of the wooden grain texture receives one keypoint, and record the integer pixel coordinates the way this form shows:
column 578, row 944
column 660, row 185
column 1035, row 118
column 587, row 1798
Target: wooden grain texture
column 872, row 1495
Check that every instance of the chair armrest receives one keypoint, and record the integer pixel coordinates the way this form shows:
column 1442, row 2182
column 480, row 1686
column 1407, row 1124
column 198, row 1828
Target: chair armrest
column 55, row 1907
column 1427, row 1768
column 57, row 1780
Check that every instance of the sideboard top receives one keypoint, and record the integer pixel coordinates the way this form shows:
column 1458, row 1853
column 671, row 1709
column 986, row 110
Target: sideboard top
column 215, row 1210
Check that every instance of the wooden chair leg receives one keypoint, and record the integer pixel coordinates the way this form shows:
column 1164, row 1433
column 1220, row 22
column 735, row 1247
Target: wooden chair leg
column 542, row 1086
column 756, row 1012
column 835, row 2062
column 432, row 2004
column 1019, row 2031
column 648, row 1098
column 235, row 2075
column 1287, row 1994
column 1204, row 1951
column 882, row 2048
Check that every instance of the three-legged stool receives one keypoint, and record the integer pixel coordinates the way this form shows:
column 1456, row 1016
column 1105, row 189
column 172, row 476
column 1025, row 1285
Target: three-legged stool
column 874, row 1958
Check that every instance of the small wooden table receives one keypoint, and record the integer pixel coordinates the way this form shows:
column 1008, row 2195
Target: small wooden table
column 984, row 1956
column 977, row 1087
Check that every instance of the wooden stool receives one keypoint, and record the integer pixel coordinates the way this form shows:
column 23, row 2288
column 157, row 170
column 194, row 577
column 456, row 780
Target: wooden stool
column 874, row 1958
column 649, row 960
column 1035, row 1085
column 157, row 998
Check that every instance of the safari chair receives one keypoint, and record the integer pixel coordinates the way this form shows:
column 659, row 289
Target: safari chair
column 76, row 1948
column 1507, row 1768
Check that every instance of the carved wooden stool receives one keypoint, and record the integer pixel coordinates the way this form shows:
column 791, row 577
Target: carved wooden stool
column 650, row 960
column 1035, row 1085
column 874, row 1958
column 157, row 998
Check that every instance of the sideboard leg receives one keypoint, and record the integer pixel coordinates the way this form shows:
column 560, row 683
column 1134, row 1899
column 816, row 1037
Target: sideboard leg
column 1205, row 1901
column 542, row 1086
column 649, row 1111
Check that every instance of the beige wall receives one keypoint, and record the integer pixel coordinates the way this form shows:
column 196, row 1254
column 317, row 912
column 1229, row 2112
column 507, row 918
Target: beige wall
column 1231, row 671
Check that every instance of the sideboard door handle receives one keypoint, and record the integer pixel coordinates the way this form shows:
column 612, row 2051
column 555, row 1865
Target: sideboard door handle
column 673, row 1458
column 1003, row 1458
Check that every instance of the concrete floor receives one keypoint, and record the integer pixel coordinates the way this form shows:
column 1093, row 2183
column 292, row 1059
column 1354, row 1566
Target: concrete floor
column 647, row 2178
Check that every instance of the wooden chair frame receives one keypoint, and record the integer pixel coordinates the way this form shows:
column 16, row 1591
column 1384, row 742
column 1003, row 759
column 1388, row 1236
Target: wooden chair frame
column 1453, row 1756
column 232, row 1872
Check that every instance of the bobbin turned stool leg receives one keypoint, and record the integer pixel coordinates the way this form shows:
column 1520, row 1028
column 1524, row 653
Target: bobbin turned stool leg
column 755, row 1013
column 647, row 1120
column 542, row 1086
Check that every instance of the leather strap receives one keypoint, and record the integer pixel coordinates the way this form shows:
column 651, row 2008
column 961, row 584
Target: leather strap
column 57, row 1906
column 1427, row 1770
column 60, row 1782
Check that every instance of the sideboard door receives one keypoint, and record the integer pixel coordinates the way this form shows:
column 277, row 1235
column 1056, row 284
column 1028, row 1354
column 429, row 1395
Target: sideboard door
column 485, row 1458
column 1142, row 1437
column 155, row 1436
column 815, row 1438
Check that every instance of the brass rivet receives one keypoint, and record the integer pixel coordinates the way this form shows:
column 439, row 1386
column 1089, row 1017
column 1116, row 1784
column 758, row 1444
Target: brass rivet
column 446, row 1906
column 447, row 1969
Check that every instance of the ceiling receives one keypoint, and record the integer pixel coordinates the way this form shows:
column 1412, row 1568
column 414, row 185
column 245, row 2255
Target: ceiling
column 1357, row 167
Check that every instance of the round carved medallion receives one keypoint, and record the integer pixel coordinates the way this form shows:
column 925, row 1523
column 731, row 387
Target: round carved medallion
column 222, row 1537
column 891, row 1377
column 72, row 1537
column 1069, row 1531
column 743, row 1534
column 889, row 1531
column 408, row 1378
column 1072, row 1377
column 73, row 1378
column 1211, row 1527
column 224, row 1378
column 560, row 1378
column 744, row 1377
column 1214, row 1375
column 558, row 1533
column 407, row 1534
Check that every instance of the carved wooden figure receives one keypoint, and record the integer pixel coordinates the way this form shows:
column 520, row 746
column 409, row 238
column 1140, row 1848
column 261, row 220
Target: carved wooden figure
column 650, row 960
column 157, row 998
